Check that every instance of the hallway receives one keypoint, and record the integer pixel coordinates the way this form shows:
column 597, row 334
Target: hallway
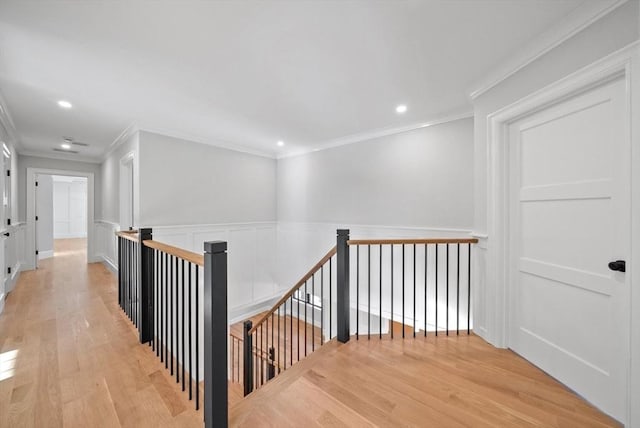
column 70, row 357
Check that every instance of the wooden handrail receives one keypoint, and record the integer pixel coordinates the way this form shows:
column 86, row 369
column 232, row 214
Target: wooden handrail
column 189, row 256
column 131, row 235
column 299, row 284
column 412, row 241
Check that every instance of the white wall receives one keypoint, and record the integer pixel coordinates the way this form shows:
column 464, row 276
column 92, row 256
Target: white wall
column 44, row 212
column 413, row 184
column 69, row 207
column 110, row 184
column 417, row 178
column 185, row 183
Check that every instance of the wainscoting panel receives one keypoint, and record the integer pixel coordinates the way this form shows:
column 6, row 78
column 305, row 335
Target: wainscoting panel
column 105, row 248
column 251, row 252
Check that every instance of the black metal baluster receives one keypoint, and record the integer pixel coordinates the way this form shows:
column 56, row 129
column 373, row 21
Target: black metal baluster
column 284, row 342
column 155, row 296
column 330, row 302
column 190, row 339
column 279, row 349
column 403, row 291
column 447, row 308
column 469, row 292
column 272, row 342
column 458, row 291
column 313, row 312
column 322, row 305
column 426, row 288
column 197, row 321
column 298, row 326
column 177, row 358
column 171, row 287
column 380, row 300
column 437, row 246
column 163, row 308
column 392, row 291
column 260, row 355
column 291, row 331
column 305, row 317
column 357, row 292
column 414, row 290
column 183, row 307
column 368, row 292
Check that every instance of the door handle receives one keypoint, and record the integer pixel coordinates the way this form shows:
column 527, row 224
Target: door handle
column 618, row 265
column 7, row 234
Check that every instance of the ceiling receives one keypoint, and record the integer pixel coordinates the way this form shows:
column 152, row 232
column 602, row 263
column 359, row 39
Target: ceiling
column 247, row 74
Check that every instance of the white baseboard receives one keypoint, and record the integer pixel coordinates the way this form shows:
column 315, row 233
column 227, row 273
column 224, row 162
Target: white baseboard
column 108, row 264
column 45, row 254
column 247, row 311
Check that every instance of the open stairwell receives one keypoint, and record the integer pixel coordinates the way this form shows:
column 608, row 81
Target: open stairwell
column 449, row 381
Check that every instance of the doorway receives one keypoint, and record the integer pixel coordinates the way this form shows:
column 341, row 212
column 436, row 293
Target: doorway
column 560, row 197
column 67, row 219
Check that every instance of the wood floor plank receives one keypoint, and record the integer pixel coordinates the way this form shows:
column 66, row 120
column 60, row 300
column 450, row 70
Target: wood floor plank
column 79, row 363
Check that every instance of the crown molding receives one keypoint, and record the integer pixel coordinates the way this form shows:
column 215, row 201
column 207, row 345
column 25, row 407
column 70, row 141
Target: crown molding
column 365, row 136
column 61, row 156
column 573, row 23
column 8, row 124
column 236, row 147
column 119, row 140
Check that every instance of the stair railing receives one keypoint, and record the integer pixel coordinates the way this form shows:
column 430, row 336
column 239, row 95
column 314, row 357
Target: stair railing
column 386, row 287
column 159, row 289
column 294, row 327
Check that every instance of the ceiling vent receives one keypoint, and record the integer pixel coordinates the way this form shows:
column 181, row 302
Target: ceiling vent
column 65, row 151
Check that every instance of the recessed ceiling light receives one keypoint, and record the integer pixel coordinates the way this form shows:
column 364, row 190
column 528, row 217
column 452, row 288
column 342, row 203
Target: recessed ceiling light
column 64, row 104
column 280, row 143
column 65, row 146
column 401, row 109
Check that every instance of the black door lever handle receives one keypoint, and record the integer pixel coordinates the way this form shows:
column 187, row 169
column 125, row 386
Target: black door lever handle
column 618, row 265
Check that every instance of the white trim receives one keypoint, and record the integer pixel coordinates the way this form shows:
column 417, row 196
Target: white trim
column 572, row 24
column 47, row 254
column 30, row 250
column 376, row 226
column 215, row 142
column 8, row 124
column 384, row 132
column 112, row 223
column 341, row 141
column 108, row 264
column 60, row 156
column 119, row 140
column 498, row 262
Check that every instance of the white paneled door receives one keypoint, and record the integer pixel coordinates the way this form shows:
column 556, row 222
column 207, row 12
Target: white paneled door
column 569, row 218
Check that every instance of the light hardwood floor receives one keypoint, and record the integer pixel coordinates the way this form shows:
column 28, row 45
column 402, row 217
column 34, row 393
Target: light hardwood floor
column 70, row 357
column 444, row 382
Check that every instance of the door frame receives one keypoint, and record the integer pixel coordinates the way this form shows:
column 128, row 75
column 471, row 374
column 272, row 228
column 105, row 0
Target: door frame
column 499, row 265
column 30, row 247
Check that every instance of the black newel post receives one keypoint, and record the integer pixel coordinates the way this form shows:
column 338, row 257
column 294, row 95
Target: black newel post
column 145, row 281
column 215, row 335
column 247, row 358
column 120, row 271
column 343, row 302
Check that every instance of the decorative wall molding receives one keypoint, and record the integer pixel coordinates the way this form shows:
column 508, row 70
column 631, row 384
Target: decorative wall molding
column 58, row 156
column 572, row 24
column 7, row 123
column 379, row 133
